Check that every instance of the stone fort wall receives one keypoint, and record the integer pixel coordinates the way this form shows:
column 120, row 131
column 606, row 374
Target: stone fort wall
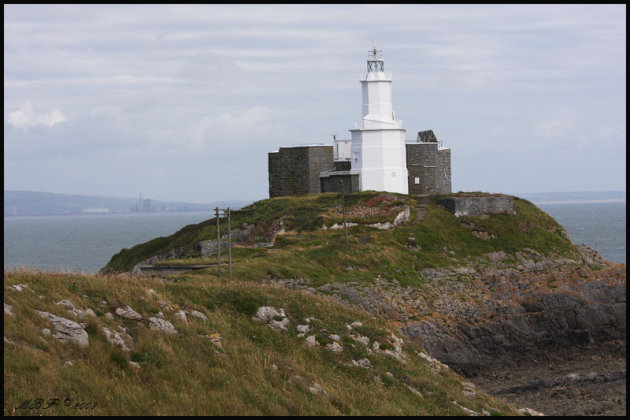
column 477, row 205
column 295, row 170
column 443, row 177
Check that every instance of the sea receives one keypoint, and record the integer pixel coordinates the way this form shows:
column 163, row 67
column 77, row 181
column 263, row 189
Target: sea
column 85, row 243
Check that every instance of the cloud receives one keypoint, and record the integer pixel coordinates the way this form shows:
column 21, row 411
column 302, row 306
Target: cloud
column 552, row 128
column 26, row 117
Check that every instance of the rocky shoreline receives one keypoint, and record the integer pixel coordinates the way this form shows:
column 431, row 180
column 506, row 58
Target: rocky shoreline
column 501, row 314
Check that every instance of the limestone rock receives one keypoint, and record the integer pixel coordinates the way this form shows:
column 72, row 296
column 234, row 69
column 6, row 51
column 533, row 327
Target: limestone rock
column 66, row 304
column 128, row 313
column 45, row 331
column 529, row 411
column 362, row 363
column 413, row 390
column 181, row 315
column 334, row 347
column 311, row 341
column 198, row 315
column 469, row 389
column 361, row 339
column 67, row 330
column 115, row 338
column 8, row 309
column 316, row 388
column 279, row 325
column 466, row 410
column 162, row 326
column 215, row 338
column 269, row 313
column 265, row 313
column 19, row 287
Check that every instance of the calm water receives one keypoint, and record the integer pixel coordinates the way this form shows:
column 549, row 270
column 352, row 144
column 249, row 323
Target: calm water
column 86, row 243
column 602, row 226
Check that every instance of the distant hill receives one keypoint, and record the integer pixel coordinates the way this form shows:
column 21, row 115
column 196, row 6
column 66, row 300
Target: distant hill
column 33, row 203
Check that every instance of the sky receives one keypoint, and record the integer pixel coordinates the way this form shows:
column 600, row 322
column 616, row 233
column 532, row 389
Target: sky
column 184, row 102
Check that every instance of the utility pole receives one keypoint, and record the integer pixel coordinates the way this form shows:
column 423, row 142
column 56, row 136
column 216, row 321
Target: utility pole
column 216, row 212
column 343, row 205
column 229, row 244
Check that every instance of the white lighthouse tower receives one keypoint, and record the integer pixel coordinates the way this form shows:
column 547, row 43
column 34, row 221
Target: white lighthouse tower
column 378, row 152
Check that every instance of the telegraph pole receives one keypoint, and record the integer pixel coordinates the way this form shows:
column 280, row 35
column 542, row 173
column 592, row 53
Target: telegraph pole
column 343, row 205
column 216, row 212
column 229, row 244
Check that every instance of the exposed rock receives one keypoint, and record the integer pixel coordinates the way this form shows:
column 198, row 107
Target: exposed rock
column 265, row 313
column 279, row 325
column 268, row 313
column 334, row 347
column 311, row 341
column 413, row 390
column 198, row 315
column 109, row 315
column 162, row 326
column 302, row 330
column 67, row 330
column 529, row 411
column 311, row 385
column 466, row 410
column 115, row 338
column 19, row 287
column 469, row 389
column 45, row 331
column 362, row 363
column 215, row 338
column 89, row 311
column 8, row 309
column 181, row 315
column 316, row 388
column 128, row 313
column 70, row 306
column 134, row 365
column 164, row 305
column 66, row 304
column 334, row 337
column 361, row 339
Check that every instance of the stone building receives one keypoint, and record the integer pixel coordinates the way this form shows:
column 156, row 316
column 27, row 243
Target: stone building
column 376, row 158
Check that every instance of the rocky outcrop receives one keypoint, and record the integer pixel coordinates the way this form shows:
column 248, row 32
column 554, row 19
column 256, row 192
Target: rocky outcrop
column 161, row 325
column 498, row 307
column 129, row 313
column 67, row 330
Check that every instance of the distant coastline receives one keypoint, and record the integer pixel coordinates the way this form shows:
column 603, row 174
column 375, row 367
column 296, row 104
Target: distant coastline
column 34, row 203
column 612, row 200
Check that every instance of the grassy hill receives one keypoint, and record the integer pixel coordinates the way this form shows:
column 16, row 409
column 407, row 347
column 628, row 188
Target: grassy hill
column 305, row 250
column 226, row 364
column 229, row 363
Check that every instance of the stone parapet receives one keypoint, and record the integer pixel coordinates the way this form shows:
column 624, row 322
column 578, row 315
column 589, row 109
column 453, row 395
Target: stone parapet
column 475, row 206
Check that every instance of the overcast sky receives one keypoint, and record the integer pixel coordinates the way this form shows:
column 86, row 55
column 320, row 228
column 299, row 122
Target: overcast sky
column 183, row 102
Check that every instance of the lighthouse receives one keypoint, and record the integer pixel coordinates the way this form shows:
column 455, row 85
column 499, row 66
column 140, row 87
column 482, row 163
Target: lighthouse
column 376, row 157
column 378, row 152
